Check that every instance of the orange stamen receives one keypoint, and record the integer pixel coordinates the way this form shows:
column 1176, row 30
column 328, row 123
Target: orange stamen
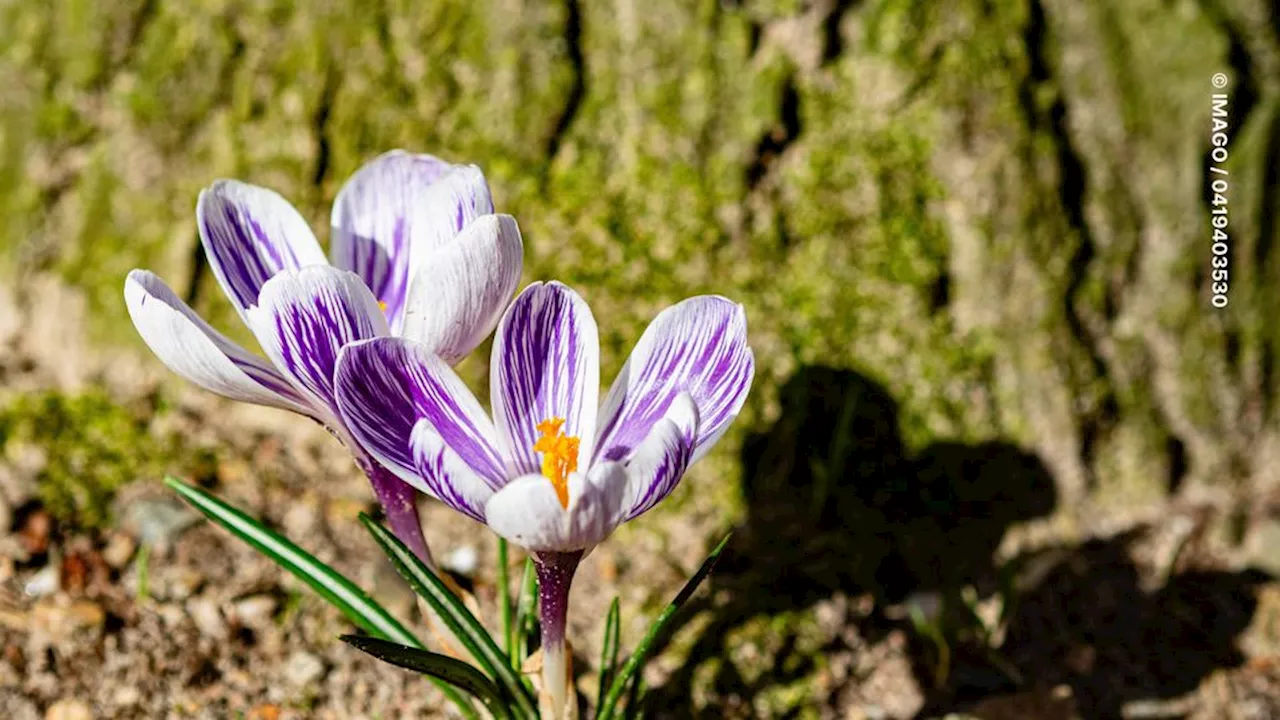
column 559, row 456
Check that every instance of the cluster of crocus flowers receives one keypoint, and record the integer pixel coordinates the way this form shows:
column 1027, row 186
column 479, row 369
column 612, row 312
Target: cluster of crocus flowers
column 553, row 471
column 416, row 251
column 421, row 271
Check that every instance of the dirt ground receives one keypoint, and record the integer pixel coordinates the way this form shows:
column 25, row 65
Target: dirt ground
column 156, row 613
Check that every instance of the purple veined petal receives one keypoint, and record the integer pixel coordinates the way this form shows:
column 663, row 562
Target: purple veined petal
column 451, row 204
column 545, row 364
column 385, row 386
column 463, row 287
column 193, row 349
column 444, row 476
column 250, row 234
column 528, row 513
column 697, row 346
column 659, row 461
column 305, row 317
column 374, row 219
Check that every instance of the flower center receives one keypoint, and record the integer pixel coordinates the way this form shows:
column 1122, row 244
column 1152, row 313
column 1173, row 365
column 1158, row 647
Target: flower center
column 382, row 304
column 559, row 456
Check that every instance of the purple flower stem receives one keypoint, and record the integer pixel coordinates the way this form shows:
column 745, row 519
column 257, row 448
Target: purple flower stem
column 555, row 576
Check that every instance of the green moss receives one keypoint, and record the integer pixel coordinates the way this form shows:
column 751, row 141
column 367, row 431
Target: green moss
column 90, row 446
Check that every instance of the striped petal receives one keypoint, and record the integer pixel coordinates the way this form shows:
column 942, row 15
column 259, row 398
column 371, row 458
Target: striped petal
column 250, row 234
column 305, row 317
column 462, row 288
column 193, row 349
column 451, row 204
column 528, row 512
column 698, row 346
column 386, row 386
column 545, row 364
column 443, row 475
column 374, row 221
column 659, row 462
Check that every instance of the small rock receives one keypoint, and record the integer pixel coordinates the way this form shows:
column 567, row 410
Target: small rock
column 463, row 560
column 182, row 583
column 158, row 520
column 45, row 582
column 255, row 611
column 126, row 696
column 119, row 550
column 205, row 614
column 56, row 620
column 303, row 668
column 300, row 519
column 69, row 709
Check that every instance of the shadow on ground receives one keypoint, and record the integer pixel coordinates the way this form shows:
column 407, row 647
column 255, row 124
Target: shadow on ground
column 838, row 507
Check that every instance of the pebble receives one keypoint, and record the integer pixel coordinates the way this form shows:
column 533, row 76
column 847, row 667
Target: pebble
column 43, row 583
column 59, row 621
column 158, row 520
column 463, row 560
column 69, row 709
column 303, row 668
column 119, row 550
column 255, row 611
column 182, row 583
column 205, row 614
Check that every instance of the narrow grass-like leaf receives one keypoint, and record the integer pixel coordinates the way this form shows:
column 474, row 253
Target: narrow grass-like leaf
column 464, row 626
column 504, row 602
column 335, row 588
column 525, row 614
column 641, row 654
column 441, row 667
column 329, row 583
column 609, row 650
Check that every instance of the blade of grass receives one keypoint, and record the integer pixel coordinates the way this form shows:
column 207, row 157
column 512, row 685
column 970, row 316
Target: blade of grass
column 641, row 654
column 441, row 667
column 329, row 583
column 504, row 595
column 524, row 614
column 335, row 588
column 609, row 651
column 464, row 626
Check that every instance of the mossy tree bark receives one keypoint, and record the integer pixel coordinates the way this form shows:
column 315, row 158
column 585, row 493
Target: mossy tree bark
column 996, row 209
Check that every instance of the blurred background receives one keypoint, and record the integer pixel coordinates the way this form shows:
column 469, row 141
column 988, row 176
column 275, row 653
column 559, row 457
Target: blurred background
column 1002, row 456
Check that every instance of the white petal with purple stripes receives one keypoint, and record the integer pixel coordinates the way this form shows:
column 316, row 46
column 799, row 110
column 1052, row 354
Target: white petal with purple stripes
column 450, row 205
column 659, row 461
column 304, row 319
column 443, row 475
column 462, row 288
column 250, row 234
column 545, row 364
column 698, row 346
column 374, row 219
column 528, row 511
column 191, row 348
column 386, row 386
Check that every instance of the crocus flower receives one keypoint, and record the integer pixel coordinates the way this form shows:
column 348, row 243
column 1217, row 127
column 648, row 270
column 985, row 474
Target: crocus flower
column 549, row 471
column 416, row 251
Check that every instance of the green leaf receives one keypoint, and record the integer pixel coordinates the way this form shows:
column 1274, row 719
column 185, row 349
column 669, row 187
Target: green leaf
column 525, row 614
column 609, row 652
column 440, row 667
column 454, row 614
column 504, row 595
column 641, row 655
column 340, row 592
column 329, row 583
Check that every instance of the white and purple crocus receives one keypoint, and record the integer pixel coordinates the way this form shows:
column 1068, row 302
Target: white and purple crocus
column 416, row 251
column 552, row 470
